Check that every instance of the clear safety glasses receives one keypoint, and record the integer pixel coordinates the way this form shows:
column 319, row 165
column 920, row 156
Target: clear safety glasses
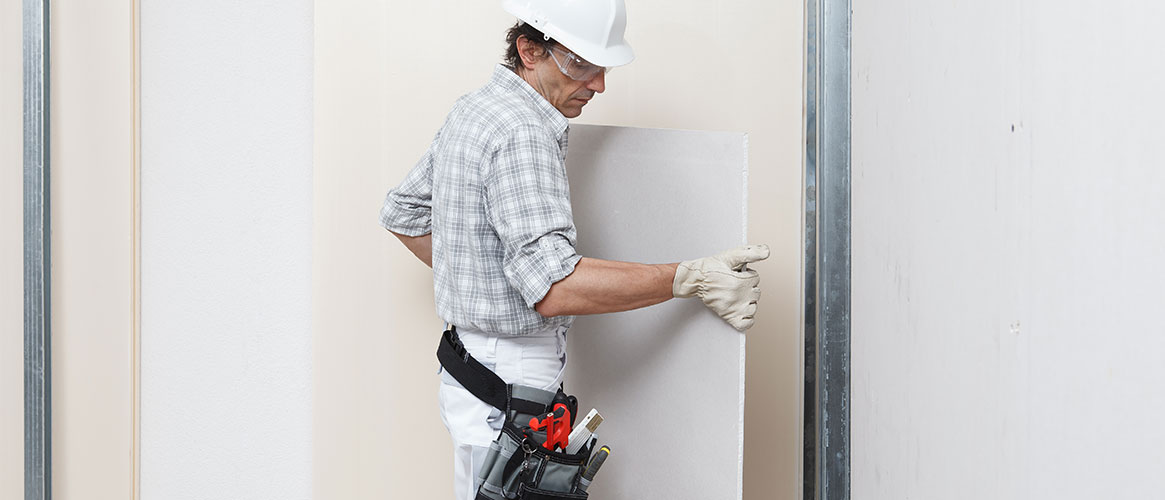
column 573, row 66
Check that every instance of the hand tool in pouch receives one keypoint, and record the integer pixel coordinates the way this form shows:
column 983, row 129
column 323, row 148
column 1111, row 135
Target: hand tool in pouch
column 582, row 433
column 588, row 475
column 557, row 427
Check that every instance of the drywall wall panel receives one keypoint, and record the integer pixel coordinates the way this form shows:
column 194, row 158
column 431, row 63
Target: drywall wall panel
column 385, row 79
column 669, row 379
column 91, row 199
column 226, row 250
column 11, row 251
column 1007, row 244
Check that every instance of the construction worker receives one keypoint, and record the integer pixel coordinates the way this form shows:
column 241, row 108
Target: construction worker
column 488, row 208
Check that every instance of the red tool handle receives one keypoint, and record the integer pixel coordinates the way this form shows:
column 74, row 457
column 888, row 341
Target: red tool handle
column 557, row 425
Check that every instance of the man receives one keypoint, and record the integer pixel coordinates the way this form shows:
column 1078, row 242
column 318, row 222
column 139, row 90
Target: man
column 488, row 208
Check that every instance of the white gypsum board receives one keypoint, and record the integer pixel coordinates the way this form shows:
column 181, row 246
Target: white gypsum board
column 668, row 379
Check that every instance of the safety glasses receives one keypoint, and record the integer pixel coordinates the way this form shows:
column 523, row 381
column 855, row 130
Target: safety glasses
column 573, row 66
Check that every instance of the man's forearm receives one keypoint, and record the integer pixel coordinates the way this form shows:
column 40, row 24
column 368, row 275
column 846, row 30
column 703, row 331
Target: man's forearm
column 603, row 286
column 421, row 246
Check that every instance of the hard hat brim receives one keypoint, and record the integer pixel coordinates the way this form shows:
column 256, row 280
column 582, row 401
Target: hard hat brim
column 610, row 57
column 607, row 57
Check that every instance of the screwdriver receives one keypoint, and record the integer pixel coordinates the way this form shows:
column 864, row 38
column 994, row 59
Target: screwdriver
column 593, row 467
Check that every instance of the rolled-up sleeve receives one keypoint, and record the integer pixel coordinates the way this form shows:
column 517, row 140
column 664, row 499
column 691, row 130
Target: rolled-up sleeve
column 408, row 208
column 527, row 202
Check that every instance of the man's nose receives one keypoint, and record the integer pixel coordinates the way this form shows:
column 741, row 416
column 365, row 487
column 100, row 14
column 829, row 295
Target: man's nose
column 599, row 83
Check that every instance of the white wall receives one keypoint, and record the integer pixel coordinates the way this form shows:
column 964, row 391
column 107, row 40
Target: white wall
column 1008, row 234
column 226, row 256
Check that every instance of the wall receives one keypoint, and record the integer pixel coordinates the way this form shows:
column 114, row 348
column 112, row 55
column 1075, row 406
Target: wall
column 11, row 251
column 374, row 328
column 226, row 250
column 91, row 198
column 385, row 78
column 1007, row 243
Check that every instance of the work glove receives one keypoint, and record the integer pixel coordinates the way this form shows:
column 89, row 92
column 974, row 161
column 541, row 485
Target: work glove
column 723, row 283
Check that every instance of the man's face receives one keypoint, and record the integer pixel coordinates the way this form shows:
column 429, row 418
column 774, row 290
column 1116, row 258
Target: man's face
column 563, row 92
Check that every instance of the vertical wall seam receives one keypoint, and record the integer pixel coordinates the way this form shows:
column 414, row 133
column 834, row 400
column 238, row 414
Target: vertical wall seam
column 136, row 299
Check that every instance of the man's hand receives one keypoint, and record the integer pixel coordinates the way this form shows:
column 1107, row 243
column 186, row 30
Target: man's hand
column 724, row 284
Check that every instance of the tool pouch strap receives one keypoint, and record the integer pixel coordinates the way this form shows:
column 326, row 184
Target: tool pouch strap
column 481, row 381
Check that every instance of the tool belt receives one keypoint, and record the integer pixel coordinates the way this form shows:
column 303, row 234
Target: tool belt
column 517, row 465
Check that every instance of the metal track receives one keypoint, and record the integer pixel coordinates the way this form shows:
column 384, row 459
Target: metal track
column 37, row 380
column 827, row 250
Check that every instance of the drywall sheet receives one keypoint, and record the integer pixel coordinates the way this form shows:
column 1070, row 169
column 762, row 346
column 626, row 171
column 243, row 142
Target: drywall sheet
column 1007, row 250
column 227, row 225
column 668, row 379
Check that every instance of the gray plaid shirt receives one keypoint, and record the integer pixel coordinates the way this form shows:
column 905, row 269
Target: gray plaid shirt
column 492, row 190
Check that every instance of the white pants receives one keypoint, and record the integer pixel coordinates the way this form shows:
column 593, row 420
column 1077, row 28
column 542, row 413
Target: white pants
column 536, row 360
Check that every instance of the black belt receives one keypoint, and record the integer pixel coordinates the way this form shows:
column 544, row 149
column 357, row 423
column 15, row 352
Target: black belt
column 479, row 380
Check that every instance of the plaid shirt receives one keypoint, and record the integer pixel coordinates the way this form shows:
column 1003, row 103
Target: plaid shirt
column 492, row 190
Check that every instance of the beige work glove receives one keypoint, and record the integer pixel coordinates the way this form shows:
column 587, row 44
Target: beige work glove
column 723, row 283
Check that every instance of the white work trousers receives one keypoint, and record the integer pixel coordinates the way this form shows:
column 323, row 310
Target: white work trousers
column 536, row 360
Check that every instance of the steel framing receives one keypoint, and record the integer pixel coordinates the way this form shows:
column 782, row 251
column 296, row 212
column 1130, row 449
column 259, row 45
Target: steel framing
column 37, row 379
column 827, row 251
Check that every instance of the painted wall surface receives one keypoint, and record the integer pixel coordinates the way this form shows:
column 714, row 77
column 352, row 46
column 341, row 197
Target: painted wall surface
column 660, row 375
column 91, row 199
column 386, row 75
column 1008, row 234
column 11, row 252
column 226, row 250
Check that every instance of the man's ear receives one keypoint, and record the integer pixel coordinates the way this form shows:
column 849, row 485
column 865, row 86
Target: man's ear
column 529, row 51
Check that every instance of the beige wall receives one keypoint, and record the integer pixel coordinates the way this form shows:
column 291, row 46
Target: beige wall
column 11, row 254
column 92, row 252
column 386, row 77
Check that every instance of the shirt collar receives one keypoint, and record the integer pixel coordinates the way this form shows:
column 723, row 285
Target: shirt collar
column 506, row 78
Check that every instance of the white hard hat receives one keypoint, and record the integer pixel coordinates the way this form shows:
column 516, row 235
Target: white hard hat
column 593, row 29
